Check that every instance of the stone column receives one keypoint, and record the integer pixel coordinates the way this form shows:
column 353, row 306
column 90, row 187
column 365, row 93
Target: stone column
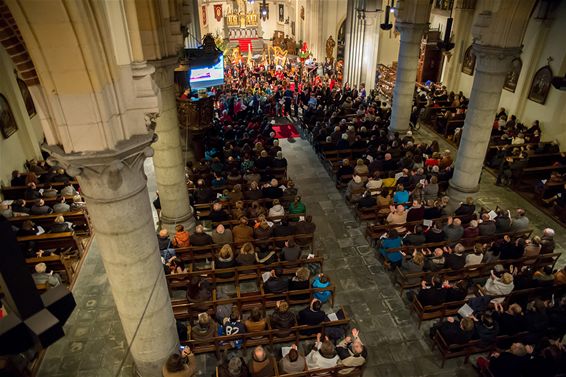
column 168, row 158
column 492, row 65
column 407, row 64
column 115, row 188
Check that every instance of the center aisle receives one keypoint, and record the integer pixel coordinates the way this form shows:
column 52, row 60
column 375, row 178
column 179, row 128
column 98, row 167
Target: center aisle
column 396, row 347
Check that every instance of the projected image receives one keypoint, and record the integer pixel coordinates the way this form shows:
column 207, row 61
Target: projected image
column 205, row 77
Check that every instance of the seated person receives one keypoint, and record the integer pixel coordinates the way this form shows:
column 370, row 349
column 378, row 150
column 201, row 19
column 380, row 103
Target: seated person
column 401, row 195
column 39, row 208
column 323, row 354
column 218, row 214
column 199, row 237
column 272, row 190
column 300, row 282
column 60, row 226
column 291, row 252
column 392, row 241
column 293, row 362
column 277, row 283
column 297, row 207
column 184, row 365
column 311, row 316
column 49, row 192
column 221, row 235
column 282, row 319
column 487, row 329
column 351, row 351
column 61, row 206
column 304, row 226
column 432, row 294
column 41, row 276
column 255, row 322
column 198, row 289
column 246, row 257
column 498, row 285
column 205, row 327
column 32, row 193
column 415, row 238
column 260, row 363
column 224, row 259
column 243, row 232
column 367, row 200
column 68, row 190
column 455, row 331
column 181, row 238
column 322, row 281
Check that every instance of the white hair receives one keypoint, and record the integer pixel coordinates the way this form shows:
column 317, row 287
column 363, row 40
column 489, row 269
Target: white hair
column 40, row 268
column 548, row 232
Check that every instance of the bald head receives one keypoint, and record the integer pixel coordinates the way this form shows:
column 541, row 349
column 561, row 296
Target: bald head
column 163, row 233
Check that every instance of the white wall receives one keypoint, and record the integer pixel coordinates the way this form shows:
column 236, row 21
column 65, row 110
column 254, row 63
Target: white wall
column 24, row 143
column 541, row 41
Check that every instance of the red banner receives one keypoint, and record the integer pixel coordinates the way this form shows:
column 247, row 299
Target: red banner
column 218, row 12
column 204, row 14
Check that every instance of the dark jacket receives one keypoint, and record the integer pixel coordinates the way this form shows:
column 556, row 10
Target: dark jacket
column 454, row 261
column 453, row 333
column 276, row 284
column 200, row 239
column 282, row 322
column 311, row 318
column 432, row 296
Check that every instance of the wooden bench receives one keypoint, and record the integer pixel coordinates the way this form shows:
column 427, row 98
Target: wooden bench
column 79, row 220
column 193, row 254
column 450, row 351
column 18, row 192
column 337, row 371
column 54, row 263
column 65, row 241
column 428, row 312
column 270, row 336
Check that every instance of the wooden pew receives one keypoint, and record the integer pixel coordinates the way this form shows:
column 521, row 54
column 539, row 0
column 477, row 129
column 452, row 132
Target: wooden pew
column 337, row 371
column 54, row 263
column 79, row 220
column 17, row 192
column 218, row 344
column 193, row 254
column 65, row 240
column 424, row 313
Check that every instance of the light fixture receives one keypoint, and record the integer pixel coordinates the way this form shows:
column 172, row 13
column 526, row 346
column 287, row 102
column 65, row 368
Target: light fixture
column 445, row 45
column 386, row 25
column 264, row 11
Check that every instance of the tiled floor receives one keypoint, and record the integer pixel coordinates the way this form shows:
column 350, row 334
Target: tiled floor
column 95, row 346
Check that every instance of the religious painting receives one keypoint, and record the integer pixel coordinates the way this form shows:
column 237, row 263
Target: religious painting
column 469, row 62
column 8, row 124
column 218, row 12
column 203, row 8
column 26, row 96
column 541, row 85
column 281, row 13
column 513, row 75
column 302, row 12
column 293, row 27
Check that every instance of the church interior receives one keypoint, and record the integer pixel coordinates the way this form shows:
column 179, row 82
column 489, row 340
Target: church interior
column 282, row 188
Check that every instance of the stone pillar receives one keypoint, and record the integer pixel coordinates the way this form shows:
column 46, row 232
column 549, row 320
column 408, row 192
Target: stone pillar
column 492, row 65
column 168, row 158
column 115, row 187
column 407, row 64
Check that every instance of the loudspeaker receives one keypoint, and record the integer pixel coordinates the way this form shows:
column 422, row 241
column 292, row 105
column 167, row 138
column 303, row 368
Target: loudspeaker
column 60, row 302
column 14, row 336
column 46, row 327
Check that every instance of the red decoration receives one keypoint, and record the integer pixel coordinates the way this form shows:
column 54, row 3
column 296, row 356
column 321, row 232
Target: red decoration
column 218, row 12
column 204, row 14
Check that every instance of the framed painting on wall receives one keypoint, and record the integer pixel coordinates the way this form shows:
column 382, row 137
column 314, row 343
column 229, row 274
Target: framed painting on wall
column 513, row 75
column 541, row 85
column 469, row 62
column 8, row 124
column 281, row 18
column 26, row 96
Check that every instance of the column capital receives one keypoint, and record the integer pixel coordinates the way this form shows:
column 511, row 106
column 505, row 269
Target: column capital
column 411, row 32
column 119, row 171
column 494, row 60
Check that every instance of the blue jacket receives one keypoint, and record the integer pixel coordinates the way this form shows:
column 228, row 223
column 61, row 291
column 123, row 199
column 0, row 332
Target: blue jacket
column 390, row 243
column 323, row 296
column 400, row 197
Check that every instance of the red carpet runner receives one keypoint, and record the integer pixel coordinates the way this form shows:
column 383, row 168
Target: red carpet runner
column 243, row 43
column 285, row 131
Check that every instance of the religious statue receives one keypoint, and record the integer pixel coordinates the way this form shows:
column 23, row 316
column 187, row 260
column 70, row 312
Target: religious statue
column 291, row 46
column 330, row 44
